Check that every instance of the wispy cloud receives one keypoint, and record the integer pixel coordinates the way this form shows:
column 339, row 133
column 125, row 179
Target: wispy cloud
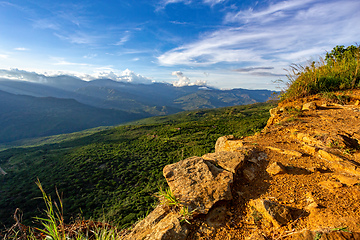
column 164, row 3
column 280, row 33
column 21, row 49
column 124, row 39
column 251, row 69
column 79, row 38
column 62, row 61
column 4, row 56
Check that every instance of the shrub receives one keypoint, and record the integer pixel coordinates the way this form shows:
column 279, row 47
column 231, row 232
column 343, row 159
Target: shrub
column 338, row 71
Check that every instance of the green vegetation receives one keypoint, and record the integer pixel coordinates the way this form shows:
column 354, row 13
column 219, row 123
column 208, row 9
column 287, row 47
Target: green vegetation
column 166, row 197
column 113, row 174
column 340, row 70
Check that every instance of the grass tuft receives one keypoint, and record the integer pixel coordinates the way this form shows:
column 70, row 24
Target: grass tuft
column 340, row 70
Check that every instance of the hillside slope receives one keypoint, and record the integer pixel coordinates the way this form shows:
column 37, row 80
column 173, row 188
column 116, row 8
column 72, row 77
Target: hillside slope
column 24, row 116
column 298, row 179
column 113, row 174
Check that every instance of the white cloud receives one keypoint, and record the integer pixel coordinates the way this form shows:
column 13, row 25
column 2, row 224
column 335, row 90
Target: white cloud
column 121, row 76
column 102, row 73
column 164, row 3
column 4, row 56
column 22, row 75
column 185, row 81
column 213, row 2
column 281, row 33
column 124, row 39
column 62, row 61
column 78, row 38
column 21, row 49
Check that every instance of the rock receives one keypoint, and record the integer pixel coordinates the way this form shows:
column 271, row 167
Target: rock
column 330, row 184
column 169, row 228
column 309, row 106
column 274, row 111
column 276, row 168
column 339, row 163
column 216, row 217
column 309, row 149
column 250, row 173
column 311, row 206
column 159, row 224
column 332, row 235
column 256, row 236
column 230, row 161
column 228, row 144
column 286, row 152
column 276, row 213
column 303, row 235
column 350, row 181
column 198, row 184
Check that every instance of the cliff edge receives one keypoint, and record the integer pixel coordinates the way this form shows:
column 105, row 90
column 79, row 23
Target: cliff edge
column 297, row 179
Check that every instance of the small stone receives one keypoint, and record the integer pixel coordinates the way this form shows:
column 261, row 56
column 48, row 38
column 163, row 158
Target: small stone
column 309, row 149
column 216, row 217
column 309, row 106
column 274, row 111
column 350, row 181
column 311, row 206
column 276, row 168
column 256, row 236
column 330, row 184
column 249, row 173
column 286, row 152
column 276, row 213
column 228, row 144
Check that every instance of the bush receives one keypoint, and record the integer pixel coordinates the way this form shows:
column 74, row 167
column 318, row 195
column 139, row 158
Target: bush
column 338, row 71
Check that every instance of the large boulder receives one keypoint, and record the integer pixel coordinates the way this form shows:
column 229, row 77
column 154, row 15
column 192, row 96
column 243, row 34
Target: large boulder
column 198, row 183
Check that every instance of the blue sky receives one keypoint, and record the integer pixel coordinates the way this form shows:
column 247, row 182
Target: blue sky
column 223, row 43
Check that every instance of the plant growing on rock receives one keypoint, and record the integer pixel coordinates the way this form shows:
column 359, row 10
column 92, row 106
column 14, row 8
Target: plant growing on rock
column 167, row 198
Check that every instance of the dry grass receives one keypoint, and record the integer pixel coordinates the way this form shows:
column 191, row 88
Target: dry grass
column 325, row 75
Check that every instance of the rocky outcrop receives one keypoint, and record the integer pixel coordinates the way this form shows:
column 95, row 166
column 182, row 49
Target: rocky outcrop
column 198, row 184
column 298, row 179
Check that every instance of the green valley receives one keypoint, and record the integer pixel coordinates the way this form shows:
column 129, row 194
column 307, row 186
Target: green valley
column 113, row 173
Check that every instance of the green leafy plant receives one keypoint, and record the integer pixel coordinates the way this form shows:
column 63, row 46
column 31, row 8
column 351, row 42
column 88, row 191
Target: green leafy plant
column 256, row 215
column 54, row 221
column 343, row 229
column 186, row 215
column 167, row 198
column 318, row 236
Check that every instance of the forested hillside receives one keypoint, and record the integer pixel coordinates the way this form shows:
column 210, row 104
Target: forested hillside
column 114, row 173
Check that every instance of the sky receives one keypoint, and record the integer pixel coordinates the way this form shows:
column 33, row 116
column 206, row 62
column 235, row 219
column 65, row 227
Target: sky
column 220, row 43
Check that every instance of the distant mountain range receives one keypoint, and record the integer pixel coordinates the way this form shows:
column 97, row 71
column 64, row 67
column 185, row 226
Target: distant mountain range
column 66, row 104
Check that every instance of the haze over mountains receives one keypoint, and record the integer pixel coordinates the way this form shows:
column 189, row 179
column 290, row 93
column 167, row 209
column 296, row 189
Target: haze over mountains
column 63, row 104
